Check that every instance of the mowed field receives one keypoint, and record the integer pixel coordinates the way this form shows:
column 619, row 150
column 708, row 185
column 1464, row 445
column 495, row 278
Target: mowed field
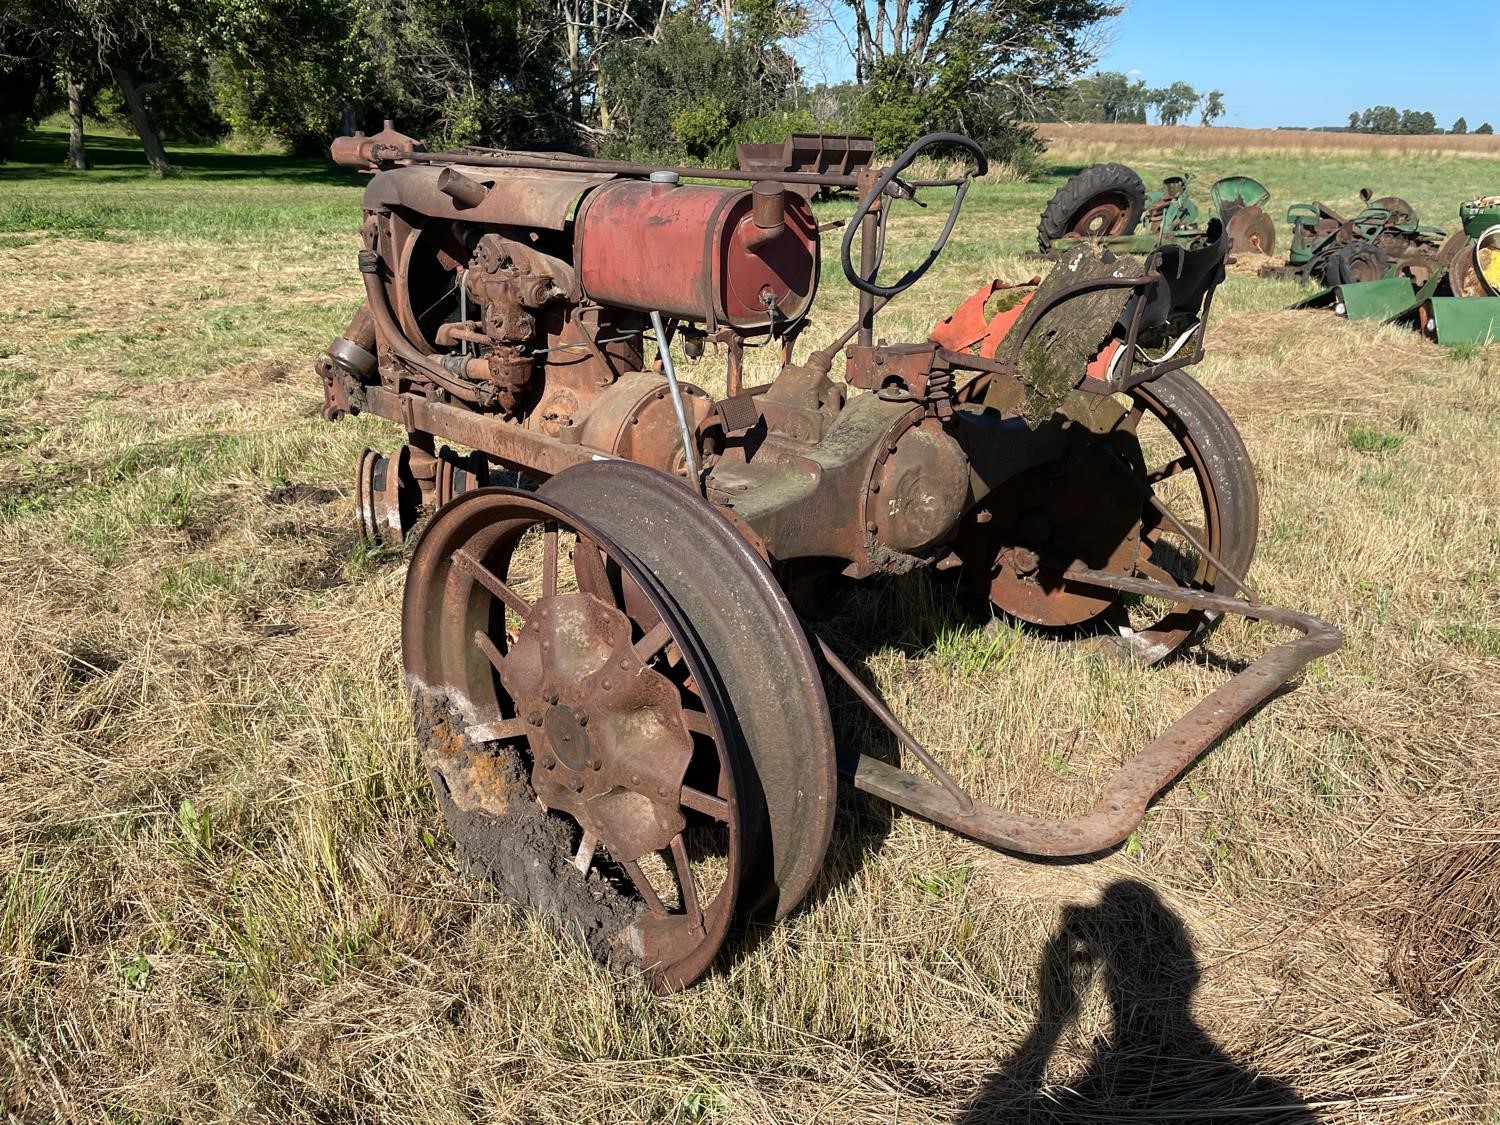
column 225, row 893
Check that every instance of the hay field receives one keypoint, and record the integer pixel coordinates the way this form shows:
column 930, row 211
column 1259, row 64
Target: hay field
column 225, row 893
column 1225, row 140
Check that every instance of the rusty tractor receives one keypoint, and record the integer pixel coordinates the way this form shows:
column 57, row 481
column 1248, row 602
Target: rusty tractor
column 1106, row 204
column 616, row 686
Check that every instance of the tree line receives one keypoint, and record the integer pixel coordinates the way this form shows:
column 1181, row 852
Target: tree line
column 1397, row 122
column 1111, row 97
column 635, row 78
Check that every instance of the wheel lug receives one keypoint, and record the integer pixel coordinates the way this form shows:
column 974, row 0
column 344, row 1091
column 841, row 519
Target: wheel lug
column 550, row 697
column 583, row 720
column 595, row 763
column 624, row 665
column 661, row 790
column 604, row 684
column 635, row 779
column 535, row 718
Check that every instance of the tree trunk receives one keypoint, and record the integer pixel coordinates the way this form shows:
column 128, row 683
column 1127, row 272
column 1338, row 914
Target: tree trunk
column 156, row 156
column 78, row 158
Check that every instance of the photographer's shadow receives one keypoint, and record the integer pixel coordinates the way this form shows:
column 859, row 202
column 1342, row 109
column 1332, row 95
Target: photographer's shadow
column 1156, row 1064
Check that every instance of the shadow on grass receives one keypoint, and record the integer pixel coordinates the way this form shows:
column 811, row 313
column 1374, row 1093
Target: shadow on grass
column 1156, row 1063
column 39, row 157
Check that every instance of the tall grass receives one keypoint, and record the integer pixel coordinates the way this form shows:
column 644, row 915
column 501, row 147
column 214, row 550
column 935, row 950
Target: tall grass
column 225, row 893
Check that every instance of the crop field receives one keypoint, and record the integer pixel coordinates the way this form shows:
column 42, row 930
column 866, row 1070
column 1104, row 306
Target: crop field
column 226, row 894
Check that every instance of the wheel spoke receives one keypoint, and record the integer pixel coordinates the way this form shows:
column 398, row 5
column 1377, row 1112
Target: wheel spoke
column 589, row 569
column 686, row 884
column 499, row 731
column 643, row 887
column 487, row 647
column 549, row 561
column 468, row 565
column 705, row 803
column 1169, row 470
column 647, row 648
column 698, row 722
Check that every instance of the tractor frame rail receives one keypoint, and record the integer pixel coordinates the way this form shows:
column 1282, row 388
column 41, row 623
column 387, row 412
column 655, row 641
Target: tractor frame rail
column 1122, row 805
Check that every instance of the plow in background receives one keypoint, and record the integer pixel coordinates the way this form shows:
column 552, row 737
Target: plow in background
column 616, row 687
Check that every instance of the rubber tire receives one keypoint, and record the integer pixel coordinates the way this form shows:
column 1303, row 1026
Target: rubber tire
column 1340, row 267
column 1073, row 197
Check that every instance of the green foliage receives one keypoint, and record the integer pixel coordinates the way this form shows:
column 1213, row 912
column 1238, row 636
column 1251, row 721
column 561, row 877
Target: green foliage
column 1212, row 108
column 1367, row 440
column 1173, row 103
column 1460, row 127
column 702, row 128
column 22, row 75
column 689, row 91
column 1389, row 120
column 1485, row 130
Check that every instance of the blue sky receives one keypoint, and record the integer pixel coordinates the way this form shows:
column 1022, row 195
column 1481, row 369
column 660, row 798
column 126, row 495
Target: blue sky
column 1415, row 56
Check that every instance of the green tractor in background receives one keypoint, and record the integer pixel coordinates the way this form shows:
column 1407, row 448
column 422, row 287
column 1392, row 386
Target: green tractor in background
column 1383, row 237
column 1107, row 204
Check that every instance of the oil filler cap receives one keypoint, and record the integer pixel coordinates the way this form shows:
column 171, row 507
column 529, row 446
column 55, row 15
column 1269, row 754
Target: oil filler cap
column 664, row 176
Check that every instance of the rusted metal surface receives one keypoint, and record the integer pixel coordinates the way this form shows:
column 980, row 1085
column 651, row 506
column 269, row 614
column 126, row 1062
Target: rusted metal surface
column 694, row 250
column 1130, row 790
column 817, row 153
column 609, row 679
column 606, row 691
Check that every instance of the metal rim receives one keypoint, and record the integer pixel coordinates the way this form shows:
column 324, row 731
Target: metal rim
column 1103, row 216
column 1099, row 507
column 570, row 683
column 1222, row 496
column 758, row 648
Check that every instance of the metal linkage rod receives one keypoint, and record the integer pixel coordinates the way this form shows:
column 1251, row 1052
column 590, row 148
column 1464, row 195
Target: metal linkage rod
column 689, row 445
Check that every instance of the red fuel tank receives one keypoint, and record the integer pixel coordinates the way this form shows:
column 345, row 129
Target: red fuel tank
column 716, row 255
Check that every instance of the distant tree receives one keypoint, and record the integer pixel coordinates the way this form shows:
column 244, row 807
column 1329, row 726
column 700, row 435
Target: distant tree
column 1213, row 107
column 1173, row 103
column 1486, row 129
column 1354, row 122
column 1416, row 123
column 1380, row 119
column 1460, row 127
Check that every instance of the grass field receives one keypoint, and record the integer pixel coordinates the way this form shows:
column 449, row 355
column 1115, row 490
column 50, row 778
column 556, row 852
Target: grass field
column 225, row 893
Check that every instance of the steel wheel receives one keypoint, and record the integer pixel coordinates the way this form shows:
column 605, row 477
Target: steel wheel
column 1196, row 465
column 576, row 741
column 1172, row 444
column 758, row 648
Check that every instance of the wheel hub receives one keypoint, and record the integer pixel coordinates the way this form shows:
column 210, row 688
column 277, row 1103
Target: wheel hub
column 610, row 746
column 1082, row 510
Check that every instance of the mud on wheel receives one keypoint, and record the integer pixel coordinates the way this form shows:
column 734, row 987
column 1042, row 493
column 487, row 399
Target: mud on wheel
column 582, row 742
column 1099, row 202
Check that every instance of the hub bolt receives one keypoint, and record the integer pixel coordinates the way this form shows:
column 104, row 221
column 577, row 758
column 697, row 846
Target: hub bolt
column 535, row 718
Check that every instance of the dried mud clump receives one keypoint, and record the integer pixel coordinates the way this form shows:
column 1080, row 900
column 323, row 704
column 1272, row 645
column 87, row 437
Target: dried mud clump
column 505, row 836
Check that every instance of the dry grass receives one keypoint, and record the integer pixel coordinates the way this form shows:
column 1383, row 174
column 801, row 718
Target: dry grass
column 224, row 893
column 1224, row 141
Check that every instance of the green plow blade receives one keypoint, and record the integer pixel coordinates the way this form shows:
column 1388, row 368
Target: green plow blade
column 1458, row 320
column 1375, row 300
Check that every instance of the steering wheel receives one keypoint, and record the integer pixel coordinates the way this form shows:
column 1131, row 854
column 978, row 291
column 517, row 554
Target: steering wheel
column 891, row 176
